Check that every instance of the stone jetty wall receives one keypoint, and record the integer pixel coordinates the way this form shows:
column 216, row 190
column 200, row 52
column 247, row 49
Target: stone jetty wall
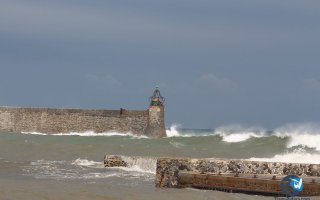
column 49, row 120
column 168, row 169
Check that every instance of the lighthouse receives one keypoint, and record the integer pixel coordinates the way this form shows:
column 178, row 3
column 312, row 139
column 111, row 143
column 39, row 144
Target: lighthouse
column 156, row 127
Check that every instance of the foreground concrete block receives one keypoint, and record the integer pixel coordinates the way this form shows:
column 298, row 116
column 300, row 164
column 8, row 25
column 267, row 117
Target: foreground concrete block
column 234, row 175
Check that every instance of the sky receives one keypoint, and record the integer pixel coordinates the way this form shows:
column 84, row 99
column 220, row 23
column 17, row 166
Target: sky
column 221, row 62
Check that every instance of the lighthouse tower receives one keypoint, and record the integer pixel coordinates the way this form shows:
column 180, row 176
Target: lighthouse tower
column 156, row 127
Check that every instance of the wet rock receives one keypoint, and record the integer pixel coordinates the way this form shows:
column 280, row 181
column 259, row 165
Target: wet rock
column 233, row 167
column 223, row 168
column 244, row 168
column 206, row 166
column 314, row 170
column 114, row 161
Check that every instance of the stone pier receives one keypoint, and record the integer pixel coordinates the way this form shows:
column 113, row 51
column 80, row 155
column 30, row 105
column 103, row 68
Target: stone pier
column 252, row 177
column 234, row 175
column 55, row 120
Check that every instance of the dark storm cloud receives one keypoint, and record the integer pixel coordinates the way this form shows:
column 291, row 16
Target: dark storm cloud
column 217, row 62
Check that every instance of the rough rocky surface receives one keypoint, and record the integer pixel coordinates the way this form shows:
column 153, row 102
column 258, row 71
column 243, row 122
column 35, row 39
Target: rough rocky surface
column 114, row 161
column 168, row 168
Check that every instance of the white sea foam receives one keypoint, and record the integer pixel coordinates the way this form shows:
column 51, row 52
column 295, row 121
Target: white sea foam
column 87, row 163
column 77, row 169
column 230, row 133
column 307, row 134
column 89, row 134
column 33, row 133
column 176, row 144
column 140, row 164
column 172, row 131
column 292, row 158
column 238, row 133
column 298, row 155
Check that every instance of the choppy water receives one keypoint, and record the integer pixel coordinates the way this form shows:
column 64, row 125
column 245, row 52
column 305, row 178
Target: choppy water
column 70, row 166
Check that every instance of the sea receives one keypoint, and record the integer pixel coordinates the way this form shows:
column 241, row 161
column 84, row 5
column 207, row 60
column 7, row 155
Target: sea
column 70, row 166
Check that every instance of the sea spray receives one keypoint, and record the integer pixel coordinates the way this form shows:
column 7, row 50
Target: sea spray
column 172, row 131
column 87, row 163
column 140, row 164
column 307, row 134
column 292, row 158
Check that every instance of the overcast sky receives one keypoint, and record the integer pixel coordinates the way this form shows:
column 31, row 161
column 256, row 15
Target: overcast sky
column 220, row 62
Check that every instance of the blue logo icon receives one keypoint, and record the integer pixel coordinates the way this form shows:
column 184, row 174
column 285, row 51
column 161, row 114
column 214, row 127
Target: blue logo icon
column 291, row 185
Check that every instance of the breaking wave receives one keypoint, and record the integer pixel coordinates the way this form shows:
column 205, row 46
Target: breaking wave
column 292, row 158
column 140, row 164
column 230, row 133
column 237, row 133
column 297, row 156
column 173, row 132
column 306, row 134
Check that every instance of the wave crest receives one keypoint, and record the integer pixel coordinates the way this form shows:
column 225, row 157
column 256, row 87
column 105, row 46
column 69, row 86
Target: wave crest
column 172, row 131
column 306, row 134
column 292, row 158
column 140, row 164
column 238, row 133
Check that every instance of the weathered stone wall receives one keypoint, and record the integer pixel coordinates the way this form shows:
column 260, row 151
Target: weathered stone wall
column 48, row 120
column 168, row 168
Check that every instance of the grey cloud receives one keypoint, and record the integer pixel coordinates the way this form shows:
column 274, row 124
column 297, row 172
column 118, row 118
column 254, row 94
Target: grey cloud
column 105, row 80
column 56, row 21
column 218, row 83
column 98, row 53
column 311, row 83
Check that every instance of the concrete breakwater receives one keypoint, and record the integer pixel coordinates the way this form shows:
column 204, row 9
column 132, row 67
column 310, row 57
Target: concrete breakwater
column 234, row 175
column 231, row 175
